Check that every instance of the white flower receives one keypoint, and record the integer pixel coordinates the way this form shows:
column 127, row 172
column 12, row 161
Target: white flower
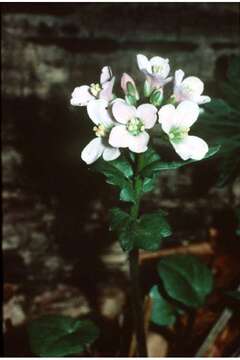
column 81, row 95
column 190, row 88
column 97, row 111
column 176, row 123
column 156, row 70
column 130, row 132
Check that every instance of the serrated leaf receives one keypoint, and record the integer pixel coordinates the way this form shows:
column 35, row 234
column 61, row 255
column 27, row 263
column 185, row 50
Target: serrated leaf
column 123, row 165
column 147, row 158
column 157, row 166
column 163, row 313
column 150, row 230
column 58, row 335
column 186, row 279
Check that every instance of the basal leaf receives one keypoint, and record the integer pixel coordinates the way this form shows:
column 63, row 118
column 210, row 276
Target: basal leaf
column 186, row 279
column 58, row 335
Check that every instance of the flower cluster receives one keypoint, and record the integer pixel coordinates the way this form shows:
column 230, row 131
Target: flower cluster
column 124, row 123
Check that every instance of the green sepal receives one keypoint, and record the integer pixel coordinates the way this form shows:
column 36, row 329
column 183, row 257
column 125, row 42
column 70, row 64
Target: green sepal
column 156, row 97
column 147, row 89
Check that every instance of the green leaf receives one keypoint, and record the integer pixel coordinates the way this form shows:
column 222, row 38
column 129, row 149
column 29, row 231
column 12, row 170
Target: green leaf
column 186, row 279
column 150, row 230
column 123, row 165
column 122, row 223
column 58, row 335
column 163, row 313
column 147, row 158
column 149, row 184
column 118, row 217
column 159, row 165
column 127, row 194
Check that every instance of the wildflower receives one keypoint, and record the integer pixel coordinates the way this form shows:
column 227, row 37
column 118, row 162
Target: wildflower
column 190, row 88
column 132, row 123
column 156, row 70
column 176, row 123
column 98, row 113
column 81, row 95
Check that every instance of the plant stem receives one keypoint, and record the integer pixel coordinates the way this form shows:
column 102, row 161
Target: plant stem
column 137, row 300
column 137, row 303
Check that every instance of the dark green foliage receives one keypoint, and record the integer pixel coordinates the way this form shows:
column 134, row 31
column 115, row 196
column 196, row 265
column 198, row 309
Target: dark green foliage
column 163, row 313
column 58, row 335
column 186, row 279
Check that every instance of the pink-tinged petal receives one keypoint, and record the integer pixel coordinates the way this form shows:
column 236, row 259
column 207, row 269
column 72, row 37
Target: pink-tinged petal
column 138, row 144
column 167, row 117
column 124, row 80
column 119, row 137
column 192, row 147
column 111, row 153
column 98, row 113
column 192, row 86
column 203, row 99
column 187, row 114
column 123, row 112
column 178, row 77
column 107, row 90
column 81, row 96
column 106, row 74
column 92, row 151
column 143, row 63
column 148, row 114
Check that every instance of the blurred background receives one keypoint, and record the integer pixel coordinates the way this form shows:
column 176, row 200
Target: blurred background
column 58, row 254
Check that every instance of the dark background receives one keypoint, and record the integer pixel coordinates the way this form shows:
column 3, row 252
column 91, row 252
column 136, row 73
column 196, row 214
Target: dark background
column 59, row 256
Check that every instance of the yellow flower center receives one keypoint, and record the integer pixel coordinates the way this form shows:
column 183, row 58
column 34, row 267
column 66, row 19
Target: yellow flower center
column 100, row 130
column 95, row 89
column 178, row 134
column 135, row 126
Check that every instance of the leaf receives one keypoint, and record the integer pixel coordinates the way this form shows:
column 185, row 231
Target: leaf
column 159, row 165
column 147, row 158
column 122, row 223
column 128, row 194
column 150, row 230
column 186, row 279
column 163, row 313
column 123, row 165
column 58, row 335
column 148, row 184
column 117, row 218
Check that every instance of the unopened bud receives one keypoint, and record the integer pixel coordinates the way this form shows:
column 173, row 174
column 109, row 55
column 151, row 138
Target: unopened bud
column 147, row 89
column 156, row 97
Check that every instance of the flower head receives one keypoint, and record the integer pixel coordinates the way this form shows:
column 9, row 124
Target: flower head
column 156, row 70
column 81, row 95
column 132, row 123
column 191, row 88
column 176, row 123
column 98, row 113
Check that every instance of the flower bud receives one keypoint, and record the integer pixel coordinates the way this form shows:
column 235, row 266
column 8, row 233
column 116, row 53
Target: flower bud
column 131, row 100
column 128, row 86
column 147, row 89
column 156, row 97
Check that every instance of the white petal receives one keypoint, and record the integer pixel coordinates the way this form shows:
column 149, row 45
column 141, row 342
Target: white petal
column 203, row 99
column 111, row 153
column 192, row 147
column 92, row 151
column 98, row 113
column 123, row 112
column 81, row 96
column 147, row 113
column 187, row 114
column 163, row 63
column 179, row 75
column 167, row 117
column 138, row 144
column 143, row 62
column 119, row 136
column 106, row 74
column 194, row 84
column 106, row 92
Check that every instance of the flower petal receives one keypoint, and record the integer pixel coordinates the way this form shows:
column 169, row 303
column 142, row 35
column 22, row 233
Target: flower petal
column 81, row 96
column 194, row 84
column 192, row 147
column 106, row 74
column 178, row 77
column 148, row 114
column 98, row 113
column 163, row 65
column 143, row 62
column 123, row 112
column 119, row 136
column 92, row 151
column 203, row 99
column 111, row 153
column 167, row 117
column 106, row 92
column 138, row 144
column 187, row 114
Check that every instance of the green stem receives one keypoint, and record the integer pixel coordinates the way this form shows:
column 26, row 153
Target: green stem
column 136, row 295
